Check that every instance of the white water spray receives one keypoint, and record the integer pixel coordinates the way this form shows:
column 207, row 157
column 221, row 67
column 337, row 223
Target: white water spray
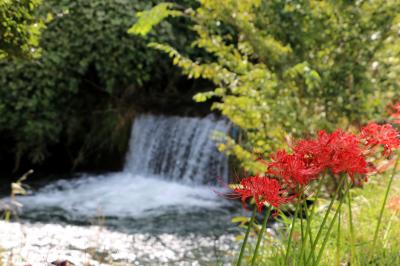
column 177, row 148
column 172, row 161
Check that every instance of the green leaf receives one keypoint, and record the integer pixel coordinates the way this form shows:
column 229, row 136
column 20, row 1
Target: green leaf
column 240, row 219
column 200, row 97
column 150, row 18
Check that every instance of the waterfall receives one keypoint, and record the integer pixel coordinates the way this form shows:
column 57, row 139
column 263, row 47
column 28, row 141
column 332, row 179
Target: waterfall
column 177, row 148
column 172, row 162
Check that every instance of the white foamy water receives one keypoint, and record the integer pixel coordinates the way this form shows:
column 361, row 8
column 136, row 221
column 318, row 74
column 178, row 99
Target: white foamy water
column 172, row 161
column 163, row 208
column 122, row 195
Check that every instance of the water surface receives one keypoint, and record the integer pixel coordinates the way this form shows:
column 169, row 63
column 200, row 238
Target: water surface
column 164, row 207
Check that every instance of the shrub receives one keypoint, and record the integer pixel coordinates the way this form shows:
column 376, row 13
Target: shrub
column 290, row 67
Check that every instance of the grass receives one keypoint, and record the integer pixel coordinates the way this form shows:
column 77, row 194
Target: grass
column 366, row 204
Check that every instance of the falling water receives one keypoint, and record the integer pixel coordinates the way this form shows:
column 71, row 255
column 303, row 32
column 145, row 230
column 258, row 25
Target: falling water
column 162, row 208
column 177, row 148
column 172, row 161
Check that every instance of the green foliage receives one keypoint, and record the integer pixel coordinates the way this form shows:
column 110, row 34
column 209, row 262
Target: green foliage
column 147, row 19
column 27, row 111
column 92, row 33
column 289, row 67
column 84, row 89
column 366, row 205
column 18, row 28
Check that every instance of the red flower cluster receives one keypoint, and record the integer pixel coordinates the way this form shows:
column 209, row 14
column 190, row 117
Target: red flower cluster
column 295, row 170
column 385, row 135
column 263, row 190
column 338, row 152
column 346, row 155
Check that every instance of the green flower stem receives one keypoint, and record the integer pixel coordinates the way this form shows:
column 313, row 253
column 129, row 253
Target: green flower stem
column 239, row 262
column 321, row 251
column 303, row 240
column 384, row 202
column 309, row 218
column 312, row 252
column 261, row 234
column 291, row 233
column 338, row 240
column 315, row 242
column 353, row 255
column 306, row 235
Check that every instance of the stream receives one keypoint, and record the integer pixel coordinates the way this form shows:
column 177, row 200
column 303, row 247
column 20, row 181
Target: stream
column 166, row 207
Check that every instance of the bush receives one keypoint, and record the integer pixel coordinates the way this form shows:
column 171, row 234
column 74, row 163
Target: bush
column 284, row 67
column 81, row 94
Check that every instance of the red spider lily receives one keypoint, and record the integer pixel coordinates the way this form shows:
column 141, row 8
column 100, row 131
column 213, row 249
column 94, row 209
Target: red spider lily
column 385, row 135
column 316, row 152
column 293, row 169
column 338, row 151
column 347, row 156
column 396, row 113
column 263, row 190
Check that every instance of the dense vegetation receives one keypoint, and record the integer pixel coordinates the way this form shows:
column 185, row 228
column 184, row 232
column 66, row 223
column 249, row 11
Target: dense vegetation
column 74, row 73
column 19, row 29
column 276, row 63
column 366, row 205
column 73, row 102
column 71, row 97
column 283, row 70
